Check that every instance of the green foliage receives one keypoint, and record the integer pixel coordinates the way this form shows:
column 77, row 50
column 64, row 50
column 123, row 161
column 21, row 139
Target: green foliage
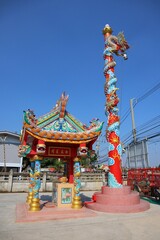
column 52, row 163
column 47, row 162
column 90, row 159
column 85, row 162
column 58, row 165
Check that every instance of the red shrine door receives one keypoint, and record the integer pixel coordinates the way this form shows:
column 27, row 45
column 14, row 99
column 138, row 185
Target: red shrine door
column 67, row 153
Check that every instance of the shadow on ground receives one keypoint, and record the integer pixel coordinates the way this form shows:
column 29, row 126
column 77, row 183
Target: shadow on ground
column 85, row 198
column 48, row 198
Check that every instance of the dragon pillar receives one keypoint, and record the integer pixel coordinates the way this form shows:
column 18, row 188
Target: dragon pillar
column 35, row 202
column 113, row 45
column 77, row 203
column 31, row 183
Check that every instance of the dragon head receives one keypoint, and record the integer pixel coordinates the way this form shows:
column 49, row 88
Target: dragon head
column 23, row 150
column 30, row 118
column 117, row 44
column 123, row 45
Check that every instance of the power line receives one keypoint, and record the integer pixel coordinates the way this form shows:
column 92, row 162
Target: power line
column 146, row 128
column 148, row 133
column 148, row 93
column 149, row 123
column 155, row 141
column 125, row 116
column 140, row 99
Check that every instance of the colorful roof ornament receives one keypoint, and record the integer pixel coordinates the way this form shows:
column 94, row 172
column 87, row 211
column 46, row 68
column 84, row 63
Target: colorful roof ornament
column 60, row 126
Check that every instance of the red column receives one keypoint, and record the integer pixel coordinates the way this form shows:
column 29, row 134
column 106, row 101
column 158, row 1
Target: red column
column 70, row 170
column 114, row 162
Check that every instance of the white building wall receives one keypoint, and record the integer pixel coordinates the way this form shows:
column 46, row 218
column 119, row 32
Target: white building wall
column 9, row 150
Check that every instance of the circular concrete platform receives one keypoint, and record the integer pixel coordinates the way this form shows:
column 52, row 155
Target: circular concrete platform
column 117, row 200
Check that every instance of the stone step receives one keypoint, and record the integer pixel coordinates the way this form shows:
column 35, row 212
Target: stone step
column 117, row 200
column 142, row 206
column 117, row 191
column 127, row 199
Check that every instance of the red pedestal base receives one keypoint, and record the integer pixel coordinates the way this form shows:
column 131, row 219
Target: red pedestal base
column 117, row 200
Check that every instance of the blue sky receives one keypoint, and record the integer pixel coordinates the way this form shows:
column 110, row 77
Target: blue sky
column 47, row 47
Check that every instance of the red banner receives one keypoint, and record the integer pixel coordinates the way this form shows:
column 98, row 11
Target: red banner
column 59, row 151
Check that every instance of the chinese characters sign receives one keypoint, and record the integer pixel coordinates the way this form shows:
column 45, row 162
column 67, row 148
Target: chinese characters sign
column 59, row 151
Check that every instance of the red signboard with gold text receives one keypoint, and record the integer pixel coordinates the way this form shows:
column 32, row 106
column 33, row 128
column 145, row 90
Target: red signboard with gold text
column 59, row 151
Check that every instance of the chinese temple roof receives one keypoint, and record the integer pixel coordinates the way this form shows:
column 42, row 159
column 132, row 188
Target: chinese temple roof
column 60, row 126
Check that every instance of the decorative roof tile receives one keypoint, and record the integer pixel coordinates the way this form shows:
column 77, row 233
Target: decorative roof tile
column 60, row 126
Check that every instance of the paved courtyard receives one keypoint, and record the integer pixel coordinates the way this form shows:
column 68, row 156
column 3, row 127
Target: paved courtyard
column 103, row 226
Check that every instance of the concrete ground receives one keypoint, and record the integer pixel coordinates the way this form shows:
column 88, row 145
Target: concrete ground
column 103, row 226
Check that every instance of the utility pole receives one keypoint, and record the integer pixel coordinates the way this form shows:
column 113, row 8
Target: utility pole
column 133, row 122
column 3, row 139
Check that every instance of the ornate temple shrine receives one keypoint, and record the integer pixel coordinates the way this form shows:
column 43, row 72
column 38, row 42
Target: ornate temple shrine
column 56, row 134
